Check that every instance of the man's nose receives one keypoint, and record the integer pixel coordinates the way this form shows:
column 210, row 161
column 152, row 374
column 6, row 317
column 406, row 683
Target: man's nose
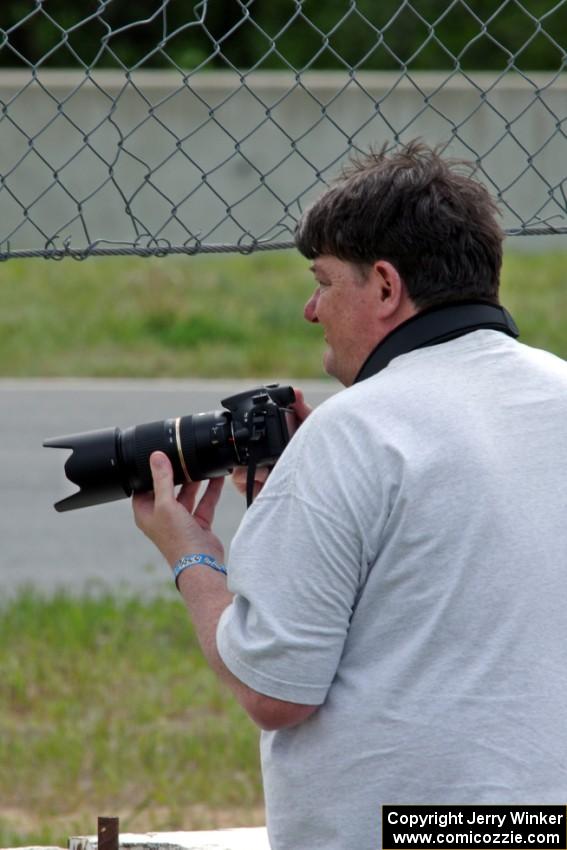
column 310, row 310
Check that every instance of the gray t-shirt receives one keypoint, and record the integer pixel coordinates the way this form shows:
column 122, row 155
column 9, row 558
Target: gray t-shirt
column 405, row 568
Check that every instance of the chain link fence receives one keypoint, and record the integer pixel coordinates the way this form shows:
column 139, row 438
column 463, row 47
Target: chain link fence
column 171, row 129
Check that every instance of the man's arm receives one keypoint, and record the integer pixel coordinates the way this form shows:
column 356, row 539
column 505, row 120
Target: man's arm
column 177, row 527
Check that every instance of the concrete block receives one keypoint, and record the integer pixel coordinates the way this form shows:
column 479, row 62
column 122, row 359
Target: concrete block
column 219, row 839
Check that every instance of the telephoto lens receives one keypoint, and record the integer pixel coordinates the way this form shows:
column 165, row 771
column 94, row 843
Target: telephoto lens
column 110, row 464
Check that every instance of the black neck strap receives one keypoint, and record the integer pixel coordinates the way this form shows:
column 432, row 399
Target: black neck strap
column 436, row 325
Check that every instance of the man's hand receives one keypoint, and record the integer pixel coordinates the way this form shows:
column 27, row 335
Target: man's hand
column 300, row 408
column 173, row 524
column 302, row 411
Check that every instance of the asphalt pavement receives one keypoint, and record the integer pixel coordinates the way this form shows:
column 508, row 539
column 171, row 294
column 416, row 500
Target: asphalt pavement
column 96, row 548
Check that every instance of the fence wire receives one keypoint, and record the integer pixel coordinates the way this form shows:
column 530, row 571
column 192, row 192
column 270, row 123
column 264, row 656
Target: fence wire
column 166, row 129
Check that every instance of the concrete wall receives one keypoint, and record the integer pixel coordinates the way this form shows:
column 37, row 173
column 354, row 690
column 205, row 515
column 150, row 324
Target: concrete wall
column 102, row 157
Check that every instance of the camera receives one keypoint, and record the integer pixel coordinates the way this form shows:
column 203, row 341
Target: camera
column 252, row 430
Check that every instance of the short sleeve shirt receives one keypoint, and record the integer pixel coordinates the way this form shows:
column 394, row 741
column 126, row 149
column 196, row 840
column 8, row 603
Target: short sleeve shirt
column 405, row 569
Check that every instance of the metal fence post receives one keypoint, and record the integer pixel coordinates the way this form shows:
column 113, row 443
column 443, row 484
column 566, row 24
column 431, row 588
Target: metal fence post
column 108, row 833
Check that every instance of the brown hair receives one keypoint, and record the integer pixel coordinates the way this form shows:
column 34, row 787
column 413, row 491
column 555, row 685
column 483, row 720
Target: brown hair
column 435, row 223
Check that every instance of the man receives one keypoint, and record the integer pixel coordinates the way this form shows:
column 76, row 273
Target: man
column 394, row 617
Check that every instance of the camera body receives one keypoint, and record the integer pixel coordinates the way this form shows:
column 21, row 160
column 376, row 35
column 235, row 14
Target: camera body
column 261, row 423
column 252, row 430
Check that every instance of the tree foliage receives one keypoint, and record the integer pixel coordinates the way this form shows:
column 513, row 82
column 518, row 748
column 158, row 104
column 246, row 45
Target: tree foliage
column 285, row 34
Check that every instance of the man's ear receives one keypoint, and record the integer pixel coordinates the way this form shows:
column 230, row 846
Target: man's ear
column 392, row 289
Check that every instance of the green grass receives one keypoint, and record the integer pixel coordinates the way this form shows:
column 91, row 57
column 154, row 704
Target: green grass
column 107, row 708
column 199, row 316
column 534, row 288
column 222, row 316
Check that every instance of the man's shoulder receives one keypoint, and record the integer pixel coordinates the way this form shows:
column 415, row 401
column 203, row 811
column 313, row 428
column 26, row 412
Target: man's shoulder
column 350, row 399
column 543, row 358
column 348, row 404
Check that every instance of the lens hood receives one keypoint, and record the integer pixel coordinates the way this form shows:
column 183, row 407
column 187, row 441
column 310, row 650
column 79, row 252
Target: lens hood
column 94, row 465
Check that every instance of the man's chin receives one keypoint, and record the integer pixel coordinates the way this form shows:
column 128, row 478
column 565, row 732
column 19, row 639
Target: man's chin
column 332, row 368
column 328, row 362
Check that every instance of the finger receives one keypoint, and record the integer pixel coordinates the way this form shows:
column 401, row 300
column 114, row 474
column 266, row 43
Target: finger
column 162, row 476
column 302, row 410
column 205, row 512
column 240, row 476
column 188, row 494
column 258, row 487
column 142, row 504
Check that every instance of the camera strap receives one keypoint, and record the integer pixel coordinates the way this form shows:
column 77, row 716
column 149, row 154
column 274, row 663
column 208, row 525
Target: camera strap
column 250, row 476
column 434, row 326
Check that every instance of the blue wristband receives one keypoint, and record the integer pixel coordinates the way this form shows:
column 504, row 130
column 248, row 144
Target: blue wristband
column 192, row 560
